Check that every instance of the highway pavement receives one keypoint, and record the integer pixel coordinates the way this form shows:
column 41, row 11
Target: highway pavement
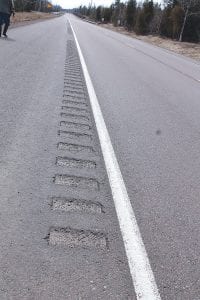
column 60, row 235
column 150, row 101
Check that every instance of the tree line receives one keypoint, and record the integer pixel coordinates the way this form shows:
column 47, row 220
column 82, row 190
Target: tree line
column 36, row 5
column 176, row 19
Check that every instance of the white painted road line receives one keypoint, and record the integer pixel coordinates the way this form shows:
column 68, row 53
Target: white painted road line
column 141, row 272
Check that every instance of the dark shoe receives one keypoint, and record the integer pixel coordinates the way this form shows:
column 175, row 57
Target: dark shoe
column 5, row 35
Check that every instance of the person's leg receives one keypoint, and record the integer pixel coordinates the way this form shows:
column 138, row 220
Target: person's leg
column 7, row 23
column 5, row 30
column 1, row 22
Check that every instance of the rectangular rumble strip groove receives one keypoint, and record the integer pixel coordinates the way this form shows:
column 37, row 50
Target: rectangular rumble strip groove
column 76, row 182
column 75, row 163
column 79, row 205
column 73, row 96
column 77, row 238
column 75, row 109
column 140, row 269
column 75, row 135
column 75, row 116
column 75, row 103
column 75, row 125
column 74, row 147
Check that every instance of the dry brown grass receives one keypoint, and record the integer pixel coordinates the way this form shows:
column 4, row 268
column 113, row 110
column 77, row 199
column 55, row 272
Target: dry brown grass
column 25, row 17
column 188, row 49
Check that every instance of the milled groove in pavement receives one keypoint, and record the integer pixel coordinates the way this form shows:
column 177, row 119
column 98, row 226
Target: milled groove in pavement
column 73, row 81
column 75, row 148
column 74, row 109
column 75, row 163
column 79, row 117
column 75, row 125
column 70, row 204
column 75, row 135
column 75, row 103
column 73, row 237
column 75, row 128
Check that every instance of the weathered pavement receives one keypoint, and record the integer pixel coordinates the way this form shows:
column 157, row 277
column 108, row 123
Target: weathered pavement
column 150, row 101
column 60, row 236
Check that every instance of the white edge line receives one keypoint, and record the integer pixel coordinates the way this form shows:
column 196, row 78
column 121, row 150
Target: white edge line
column 140, row 269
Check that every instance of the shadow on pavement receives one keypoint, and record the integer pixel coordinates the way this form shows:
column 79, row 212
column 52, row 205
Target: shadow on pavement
column 7, row 39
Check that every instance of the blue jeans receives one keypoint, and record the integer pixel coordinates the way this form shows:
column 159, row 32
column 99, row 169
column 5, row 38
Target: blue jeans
column 4, row 19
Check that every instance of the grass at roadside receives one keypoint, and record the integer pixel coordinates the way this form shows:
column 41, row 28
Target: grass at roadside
column 26, row 17
column 188, row 49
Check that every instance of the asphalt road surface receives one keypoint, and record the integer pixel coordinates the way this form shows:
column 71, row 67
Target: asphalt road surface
column 60, row 236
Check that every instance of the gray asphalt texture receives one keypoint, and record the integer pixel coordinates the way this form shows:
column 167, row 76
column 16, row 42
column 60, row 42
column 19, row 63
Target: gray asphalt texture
column 150, row 99
column 60, row 237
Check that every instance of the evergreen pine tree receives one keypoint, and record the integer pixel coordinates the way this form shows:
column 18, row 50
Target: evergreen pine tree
column 130, row 14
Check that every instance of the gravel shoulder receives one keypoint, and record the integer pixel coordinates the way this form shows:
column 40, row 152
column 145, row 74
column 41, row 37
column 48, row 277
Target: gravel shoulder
column 191, row 50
